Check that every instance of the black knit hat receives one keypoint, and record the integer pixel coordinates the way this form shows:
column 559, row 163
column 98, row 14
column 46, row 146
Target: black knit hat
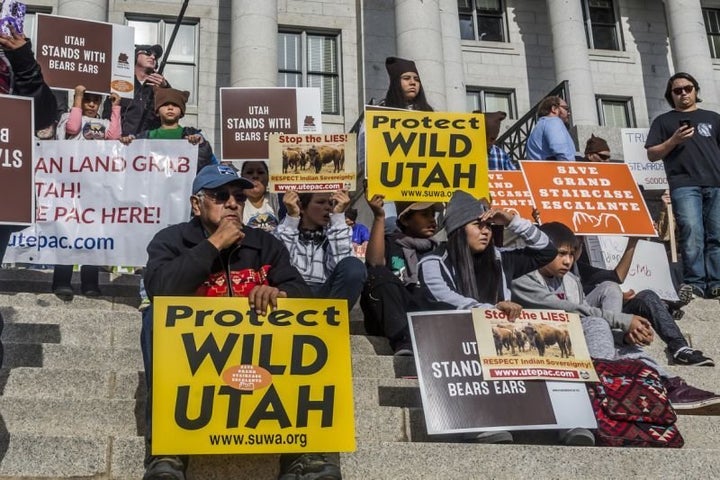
column 463, row 209
column 596, row 144
column 397, row 66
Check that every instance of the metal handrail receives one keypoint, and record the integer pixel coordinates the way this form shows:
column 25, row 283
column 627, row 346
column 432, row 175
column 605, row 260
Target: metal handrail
column 514, row 139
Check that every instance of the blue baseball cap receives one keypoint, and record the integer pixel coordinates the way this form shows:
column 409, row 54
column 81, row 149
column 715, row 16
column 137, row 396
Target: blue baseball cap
column 214, row 176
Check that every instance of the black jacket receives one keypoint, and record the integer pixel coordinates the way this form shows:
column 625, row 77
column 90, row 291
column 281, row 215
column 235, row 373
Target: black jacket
column 137, row 113
column 28, row 81
column 181, row 261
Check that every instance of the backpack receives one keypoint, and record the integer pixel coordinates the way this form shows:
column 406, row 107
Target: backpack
column 631, row 406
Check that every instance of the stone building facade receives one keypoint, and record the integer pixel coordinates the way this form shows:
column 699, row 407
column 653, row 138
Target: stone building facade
column 616, row 54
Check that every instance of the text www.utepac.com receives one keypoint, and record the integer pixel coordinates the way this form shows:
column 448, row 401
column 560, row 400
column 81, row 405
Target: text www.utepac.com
column 299, row 439
column 61, row 241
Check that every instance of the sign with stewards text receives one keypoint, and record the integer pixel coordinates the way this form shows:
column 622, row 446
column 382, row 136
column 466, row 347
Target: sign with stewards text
column 590, row 198
column 425, row 156
column 651, row 175
column 458, row 398
column 226, row 380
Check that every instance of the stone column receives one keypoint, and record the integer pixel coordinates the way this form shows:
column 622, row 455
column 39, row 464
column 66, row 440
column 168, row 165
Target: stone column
column 689, row 47
column 84, row 9
column 456, row 98
column 570, row 54
column 253, row 43
column 419, row 38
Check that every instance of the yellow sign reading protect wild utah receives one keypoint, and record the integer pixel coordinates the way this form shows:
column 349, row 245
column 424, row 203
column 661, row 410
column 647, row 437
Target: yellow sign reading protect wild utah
column 425, row 156
column 226, row 380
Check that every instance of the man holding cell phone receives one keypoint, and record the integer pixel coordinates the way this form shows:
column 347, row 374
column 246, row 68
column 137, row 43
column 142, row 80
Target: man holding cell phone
column 687, row 139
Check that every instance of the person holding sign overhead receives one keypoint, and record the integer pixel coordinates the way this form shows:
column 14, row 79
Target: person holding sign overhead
column 320, row 244
column 687, row 139
column 214, row 255
column 138, row 113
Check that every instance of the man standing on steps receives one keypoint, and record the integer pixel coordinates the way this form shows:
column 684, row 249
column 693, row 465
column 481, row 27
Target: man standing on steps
column 138, row 114
column 199, row 257
column 687, row 139
column 550, row 139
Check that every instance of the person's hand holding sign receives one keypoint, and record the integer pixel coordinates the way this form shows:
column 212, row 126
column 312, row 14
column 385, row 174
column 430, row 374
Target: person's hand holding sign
column 292, row 203
column 263, row 296
column 341, row 201
column 14, row 41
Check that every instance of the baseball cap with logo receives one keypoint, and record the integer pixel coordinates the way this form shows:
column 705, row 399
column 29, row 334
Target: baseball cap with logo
column 214, row 176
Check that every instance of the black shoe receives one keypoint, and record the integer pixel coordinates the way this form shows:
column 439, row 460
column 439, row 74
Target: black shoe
column 310, row 466
column 691, row 357
column 165, row 468
column 93, row 291
column 64, row 293
column 403, row 348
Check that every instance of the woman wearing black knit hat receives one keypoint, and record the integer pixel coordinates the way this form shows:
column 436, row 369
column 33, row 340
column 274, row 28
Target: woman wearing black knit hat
column 405, row 90
column 469, row 270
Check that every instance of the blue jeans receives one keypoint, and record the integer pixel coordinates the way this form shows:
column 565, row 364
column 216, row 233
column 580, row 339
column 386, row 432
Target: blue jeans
column 345, row 282
column 697, row 211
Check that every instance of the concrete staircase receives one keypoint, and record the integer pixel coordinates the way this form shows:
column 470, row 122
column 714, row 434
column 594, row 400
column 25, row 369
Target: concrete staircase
column 72, row 404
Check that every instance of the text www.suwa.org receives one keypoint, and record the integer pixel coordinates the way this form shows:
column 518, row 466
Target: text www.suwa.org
column 299, row 439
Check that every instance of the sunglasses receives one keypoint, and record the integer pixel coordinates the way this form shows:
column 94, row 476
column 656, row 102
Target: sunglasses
column 686, row 89
column 603, row 156
column 221, row 196
column 147, row 52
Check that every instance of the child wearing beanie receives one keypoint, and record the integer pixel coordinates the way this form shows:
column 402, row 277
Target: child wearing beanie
column 170, row 106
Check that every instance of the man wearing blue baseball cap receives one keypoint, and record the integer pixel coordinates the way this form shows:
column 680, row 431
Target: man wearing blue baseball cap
column 213, row 255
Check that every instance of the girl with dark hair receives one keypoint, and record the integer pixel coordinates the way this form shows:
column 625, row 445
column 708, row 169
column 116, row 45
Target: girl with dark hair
column 405, row 90
column 262, row 208
column 469, row 270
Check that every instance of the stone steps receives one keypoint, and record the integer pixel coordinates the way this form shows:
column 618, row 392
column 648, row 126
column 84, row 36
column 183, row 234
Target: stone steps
column 72, row 405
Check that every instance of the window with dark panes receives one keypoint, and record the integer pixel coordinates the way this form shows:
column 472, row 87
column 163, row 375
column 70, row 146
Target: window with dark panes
column 602, row 28
column 181, row 68
column 711, row 17
column 482, row 20
column 616, row 112
column 491, row 100
column 307, row 59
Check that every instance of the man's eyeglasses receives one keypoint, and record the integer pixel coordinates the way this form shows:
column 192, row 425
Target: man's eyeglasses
column 221, row 196
column 686, row 89
column 567, row 109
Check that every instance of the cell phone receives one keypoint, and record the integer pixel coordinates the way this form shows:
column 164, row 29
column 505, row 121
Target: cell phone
column 12, row 13
column 685, row 122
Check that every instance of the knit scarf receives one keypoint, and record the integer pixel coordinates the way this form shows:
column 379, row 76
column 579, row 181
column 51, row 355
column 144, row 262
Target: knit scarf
column 413, row 248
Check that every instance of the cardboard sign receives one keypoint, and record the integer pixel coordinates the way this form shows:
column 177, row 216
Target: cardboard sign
column 250, row 115
column 651, row 175
column 226, row 380
column 100, row 56
column 17, row 202
column 425, row 156
column 590, row 198
column 541, row 344
column 457, row 397
column 101, row 202
column 649, row 268
column 313, row 162
column 509, row 192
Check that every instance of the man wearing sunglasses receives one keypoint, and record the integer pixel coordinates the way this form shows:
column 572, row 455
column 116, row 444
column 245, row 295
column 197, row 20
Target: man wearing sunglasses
column 596, row 150
column 212, row 255
column 138, row 114
column 550, row 138
column 686, row 139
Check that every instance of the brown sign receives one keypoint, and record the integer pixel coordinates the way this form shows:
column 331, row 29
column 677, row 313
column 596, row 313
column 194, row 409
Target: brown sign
column 75, row 52
column 250, row 115
column 16, row 144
